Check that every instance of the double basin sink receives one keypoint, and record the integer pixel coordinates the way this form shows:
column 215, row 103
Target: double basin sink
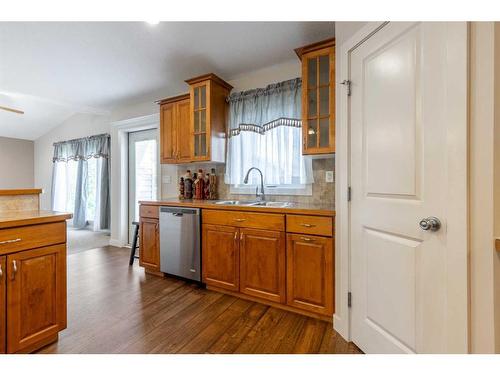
column 254, row 203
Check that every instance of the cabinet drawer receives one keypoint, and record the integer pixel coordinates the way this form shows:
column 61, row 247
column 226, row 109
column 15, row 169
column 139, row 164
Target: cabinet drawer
column 244, row 219
column 148, row 211
column 318, row 225
column 32, row 236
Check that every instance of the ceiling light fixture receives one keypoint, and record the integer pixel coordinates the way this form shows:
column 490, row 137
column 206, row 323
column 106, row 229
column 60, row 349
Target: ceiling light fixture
column 153, row 23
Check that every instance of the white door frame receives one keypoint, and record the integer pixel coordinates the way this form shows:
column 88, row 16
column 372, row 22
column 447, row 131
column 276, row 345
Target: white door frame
column 119, row 172
column 139, row 135
column 457, row 236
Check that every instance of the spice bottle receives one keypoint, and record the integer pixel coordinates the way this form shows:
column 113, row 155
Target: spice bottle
column 188, row 185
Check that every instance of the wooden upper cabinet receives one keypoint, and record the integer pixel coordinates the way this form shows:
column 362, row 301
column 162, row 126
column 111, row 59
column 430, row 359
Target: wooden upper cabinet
column 220, row 256
column 262, row 264
column 149, row 244
column 36, row 296
column 175, row 130
column 318, row 97
column 208, row 116
column 310, row 273
column 183, row 131
column 3, row 306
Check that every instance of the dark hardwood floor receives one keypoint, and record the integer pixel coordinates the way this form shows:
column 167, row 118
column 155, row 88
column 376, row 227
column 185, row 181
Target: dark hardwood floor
column 114, row 308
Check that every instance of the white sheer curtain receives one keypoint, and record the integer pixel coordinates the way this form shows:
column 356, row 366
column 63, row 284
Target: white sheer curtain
column 80, row 180
column 266, row 132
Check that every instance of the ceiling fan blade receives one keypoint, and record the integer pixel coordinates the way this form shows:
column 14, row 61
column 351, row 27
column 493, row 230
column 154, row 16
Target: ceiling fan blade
column 12, row 110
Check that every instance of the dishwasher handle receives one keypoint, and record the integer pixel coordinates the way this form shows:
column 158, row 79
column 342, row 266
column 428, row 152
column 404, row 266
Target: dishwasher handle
column 179, row 211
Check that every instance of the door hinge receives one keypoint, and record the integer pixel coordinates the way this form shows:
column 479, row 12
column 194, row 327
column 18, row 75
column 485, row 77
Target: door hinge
column 349, row 194
column 347, row 83
column 349, row 299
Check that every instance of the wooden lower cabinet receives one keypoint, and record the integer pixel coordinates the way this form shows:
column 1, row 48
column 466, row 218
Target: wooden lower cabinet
column 310, row 273
column 262, row 264
column 221, row 256
column 3, row 304
column 149, row 244
column 36, row 296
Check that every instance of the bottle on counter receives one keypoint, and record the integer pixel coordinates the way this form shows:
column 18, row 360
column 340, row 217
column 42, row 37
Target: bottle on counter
column 188, row 185
column 200, row 188
column 181, row 188
column 206, row 187
column 196, row 184
column 213, row 185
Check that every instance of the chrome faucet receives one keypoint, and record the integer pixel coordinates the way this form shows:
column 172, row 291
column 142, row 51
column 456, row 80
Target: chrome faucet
column 262, row 196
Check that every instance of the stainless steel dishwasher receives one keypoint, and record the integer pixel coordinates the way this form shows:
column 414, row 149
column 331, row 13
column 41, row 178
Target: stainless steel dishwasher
column 180, row 242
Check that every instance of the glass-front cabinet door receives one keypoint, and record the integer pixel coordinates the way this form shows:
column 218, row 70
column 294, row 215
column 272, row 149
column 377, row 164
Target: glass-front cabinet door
column 200, row 108
column 208, row 109
column 318, row 101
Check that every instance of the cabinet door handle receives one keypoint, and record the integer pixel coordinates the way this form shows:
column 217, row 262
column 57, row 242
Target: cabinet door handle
column 1, row 271
column 308, row 225
column 10, row 241
column 14, row 268
column 307, row 239
column 241, row 236
column 235, row 236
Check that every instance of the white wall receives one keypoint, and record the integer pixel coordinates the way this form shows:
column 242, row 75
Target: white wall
column 344, row 30
column 483, row 257
column 16, row 163
column 263, row 77
column 496, row 187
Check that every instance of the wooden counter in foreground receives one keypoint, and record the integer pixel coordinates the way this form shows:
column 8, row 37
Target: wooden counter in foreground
column 32, row 272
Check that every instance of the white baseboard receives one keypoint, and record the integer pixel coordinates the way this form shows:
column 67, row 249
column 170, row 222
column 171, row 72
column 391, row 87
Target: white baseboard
column 117, row 243
column 339, row 325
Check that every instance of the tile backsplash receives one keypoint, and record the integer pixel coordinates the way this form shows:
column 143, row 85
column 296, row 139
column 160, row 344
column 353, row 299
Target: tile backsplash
column 322, row 192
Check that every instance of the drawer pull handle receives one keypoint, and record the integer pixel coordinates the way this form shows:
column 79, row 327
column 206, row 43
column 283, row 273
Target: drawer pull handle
column 239, row 220
column 307, row 239
column 308, row 225
column 9, row 241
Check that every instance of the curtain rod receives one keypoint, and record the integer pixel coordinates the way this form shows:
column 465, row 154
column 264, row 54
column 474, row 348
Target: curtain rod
column 83, row 138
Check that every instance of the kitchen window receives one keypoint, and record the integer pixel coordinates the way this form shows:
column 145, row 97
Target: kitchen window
column 80, row 180
column 266, row 132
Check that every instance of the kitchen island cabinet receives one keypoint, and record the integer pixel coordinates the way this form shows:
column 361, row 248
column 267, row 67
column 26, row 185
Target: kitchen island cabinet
column 32, row 274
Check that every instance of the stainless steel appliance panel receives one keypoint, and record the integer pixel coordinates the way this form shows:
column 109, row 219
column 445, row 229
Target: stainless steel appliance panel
column 180, row 242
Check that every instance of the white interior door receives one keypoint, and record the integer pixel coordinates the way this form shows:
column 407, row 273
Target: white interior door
column 142, row 171
column 409, row 288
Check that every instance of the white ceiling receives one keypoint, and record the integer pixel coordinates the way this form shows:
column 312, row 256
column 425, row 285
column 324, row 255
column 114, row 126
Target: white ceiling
column 53, row 70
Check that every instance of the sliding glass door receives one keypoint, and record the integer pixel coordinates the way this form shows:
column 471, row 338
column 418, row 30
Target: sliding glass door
column 142, row 171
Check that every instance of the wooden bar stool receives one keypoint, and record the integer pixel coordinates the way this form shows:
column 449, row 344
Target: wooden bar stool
column 134, row 243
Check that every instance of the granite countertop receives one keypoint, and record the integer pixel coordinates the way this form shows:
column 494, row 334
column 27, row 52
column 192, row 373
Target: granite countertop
column 9, row 219
column 294, row 208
